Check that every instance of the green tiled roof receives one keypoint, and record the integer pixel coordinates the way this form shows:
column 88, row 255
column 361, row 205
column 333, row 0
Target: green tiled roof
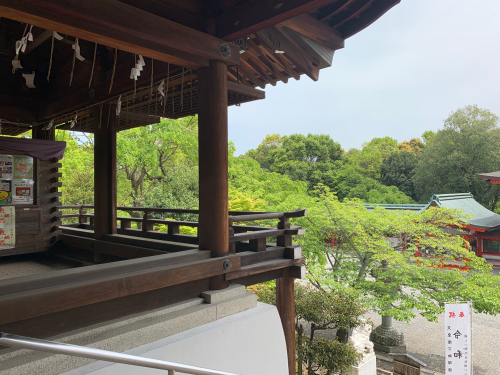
column 481, row 217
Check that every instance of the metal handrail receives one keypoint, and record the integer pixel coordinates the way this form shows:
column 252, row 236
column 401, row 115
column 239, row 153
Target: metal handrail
column 14, row 341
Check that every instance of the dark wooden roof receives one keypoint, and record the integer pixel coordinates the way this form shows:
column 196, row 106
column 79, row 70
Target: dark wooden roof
column 269, row 41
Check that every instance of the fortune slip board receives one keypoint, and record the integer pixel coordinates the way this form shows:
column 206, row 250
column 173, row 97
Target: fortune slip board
column 6, row 167
column 458, row 339
column 7, row 227
column 5, row 192
column 22, row 191
column 23, row 167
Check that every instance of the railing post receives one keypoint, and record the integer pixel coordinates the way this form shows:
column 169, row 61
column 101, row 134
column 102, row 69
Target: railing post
column 82, row 219
column 232, row 245
column 173, row 228
column 286, row 239
column 285, row 303
column 125, row 224
column 146, row 225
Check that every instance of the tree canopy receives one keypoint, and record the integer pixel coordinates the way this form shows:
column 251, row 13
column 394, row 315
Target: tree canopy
column 399, row 170
column 468, row 144
column 374, row 253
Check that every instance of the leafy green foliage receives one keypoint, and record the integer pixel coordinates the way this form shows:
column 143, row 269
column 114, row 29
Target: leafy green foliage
column 468, row 144
column 374, row 253
column 260, row 154
column 338, row 308
column 77, row 170
column 351, row 182
column 149, row 155
column 372, row 155
column 308, row 158
column 399, row 170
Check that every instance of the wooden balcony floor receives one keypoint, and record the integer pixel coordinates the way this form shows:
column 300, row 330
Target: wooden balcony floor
column 30, row 264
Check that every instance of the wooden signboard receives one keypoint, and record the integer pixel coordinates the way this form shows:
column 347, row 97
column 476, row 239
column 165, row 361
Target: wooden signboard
column 7, row 227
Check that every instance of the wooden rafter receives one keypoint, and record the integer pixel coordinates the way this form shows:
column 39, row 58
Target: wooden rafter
column 121, row 26
column 255, row 15
column 278, row 41
column 335, row 9
column 366, row 18
column 315, row 30
column 351, row 13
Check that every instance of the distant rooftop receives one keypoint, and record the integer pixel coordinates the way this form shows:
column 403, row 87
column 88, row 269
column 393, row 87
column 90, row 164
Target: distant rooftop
column 482, row 218
column 398, row 207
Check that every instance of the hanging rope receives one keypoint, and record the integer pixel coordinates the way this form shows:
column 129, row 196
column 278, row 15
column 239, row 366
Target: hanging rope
column 93, row 65
column 100, row 115
column 166, row 92
column 51, row 54
column 73, row 65
column 192, row 90
column 182, row 90
column 151, row 89
column 113, row 73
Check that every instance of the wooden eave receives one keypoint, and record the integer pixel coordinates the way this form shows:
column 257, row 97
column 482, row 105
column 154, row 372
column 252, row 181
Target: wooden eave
column 266, row 47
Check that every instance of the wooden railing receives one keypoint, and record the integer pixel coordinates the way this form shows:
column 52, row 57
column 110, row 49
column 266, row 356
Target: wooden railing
column 241, row 237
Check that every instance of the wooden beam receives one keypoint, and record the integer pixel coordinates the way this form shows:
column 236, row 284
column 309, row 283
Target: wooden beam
column 213, row 229
column 285, row 303
column 276, row 40
column 255, row 15
column 104, row 170
column 94, row 272
column 149, row 243
column 44, row 301
column 139, row 116
column 119, row 25
column 86, row 316
column 315, row 30
column 46, row 34
column 369, row 16
column 263, row 267
column 109, row 248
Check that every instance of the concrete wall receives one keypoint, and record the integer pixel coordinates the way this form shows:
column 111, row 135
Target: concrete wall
column 247, row 343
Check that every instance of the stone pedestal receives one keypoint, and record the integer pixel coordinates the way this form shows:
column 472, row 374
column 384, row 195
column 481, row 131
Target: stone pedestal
column 388, row 339
column 367, row 366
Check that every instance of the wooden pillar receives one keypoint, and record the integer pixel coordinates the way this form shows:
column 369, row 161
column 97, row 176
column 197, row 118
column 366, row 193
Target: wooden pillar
column 37, row 132
column 285, row 302
column 104, row 170
column 213, row 230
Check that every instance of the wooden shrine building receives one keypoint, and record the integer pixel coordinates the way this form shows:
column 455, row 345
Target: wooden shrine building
column 102, row 66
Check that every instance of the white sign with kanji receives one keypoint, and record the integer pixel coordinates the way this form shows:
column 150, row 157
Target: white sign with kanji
column 457, row 328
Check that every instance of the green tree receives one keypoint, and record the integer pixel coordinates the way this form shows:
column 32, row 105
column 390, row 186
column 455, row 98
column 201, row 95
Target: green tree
column 468, row 144
column 77, row 170
column 149, row 155
column 324, row 310
column 388, row 194
column 428, row 135
column 351, row 181
column 372, row 155
column 399, row 170
column 308, row 158
column 260, row 154
column 374, row 253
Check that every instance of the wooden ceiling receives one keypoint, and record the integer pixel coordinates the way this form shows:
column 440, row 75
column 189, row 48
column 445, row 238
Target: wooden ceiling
column 269, row 41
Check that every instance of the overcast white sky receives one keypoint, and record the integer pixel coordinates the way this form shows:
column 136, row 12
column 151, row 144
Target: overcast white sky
column 402, row 75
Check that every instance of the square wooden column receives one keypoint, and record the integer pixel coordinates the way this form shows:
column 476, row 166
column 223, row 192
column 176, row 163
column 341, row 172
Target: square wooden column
column 213, row 229
column 285, row 303
column 104, row 170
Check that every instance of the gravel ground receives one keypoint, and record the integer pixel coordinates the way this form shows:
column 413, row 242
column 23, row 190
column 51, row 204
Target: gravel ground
column 425, row 342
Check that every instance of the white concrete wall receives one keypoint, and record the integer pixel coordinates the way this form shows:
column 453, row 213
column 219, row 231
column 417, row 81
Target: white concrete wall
column 247, row 343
